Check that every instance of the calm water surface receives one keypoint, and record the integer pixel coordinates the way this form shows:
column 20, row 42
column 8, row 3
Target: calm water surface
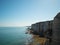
column 13, row 35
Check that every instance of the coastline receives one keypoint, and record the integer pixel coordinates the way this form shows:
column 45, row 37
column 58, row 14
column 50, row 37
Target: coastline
column 36, row 39
column 46, row 32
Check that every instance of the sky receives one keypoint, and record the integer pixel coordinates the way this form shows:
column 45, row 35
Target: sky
column 27, row 12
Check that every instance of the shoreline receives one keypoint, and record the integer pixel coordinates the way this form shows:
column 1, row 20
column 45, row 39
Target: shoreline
column 36, row 40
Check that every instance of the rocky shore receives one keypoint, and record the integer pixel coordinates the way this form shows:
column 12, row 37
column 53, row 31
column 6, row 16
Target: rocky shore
column 47, row 32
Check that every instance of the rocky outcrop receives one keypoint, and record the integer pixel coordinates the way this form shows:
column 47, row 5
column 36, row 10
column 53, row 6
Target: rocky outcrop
column 48, row 29
column 56, row 30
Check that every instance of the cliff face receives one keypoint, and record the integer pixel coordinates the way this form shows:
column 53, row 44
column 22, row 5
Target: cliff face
column 56, row 30
column 49, row 29
column 42, row 27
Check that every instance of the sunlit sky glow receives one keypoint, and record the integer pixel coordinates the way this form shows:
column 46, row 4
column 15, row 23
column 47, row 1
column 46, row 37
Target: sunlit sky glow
column 27, row 12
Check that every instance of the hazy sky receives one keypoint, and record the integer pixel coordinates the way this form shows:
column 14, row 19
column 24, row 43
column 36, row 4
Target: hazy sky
column 26, row 12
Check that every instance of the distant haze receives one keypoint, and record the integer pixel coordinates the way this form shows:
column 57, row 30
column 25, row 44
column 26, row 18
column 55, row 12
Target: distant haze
column 26, row 12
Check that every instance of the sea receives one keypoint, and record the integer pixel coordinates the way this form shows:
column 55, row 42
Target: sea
column 13, row 35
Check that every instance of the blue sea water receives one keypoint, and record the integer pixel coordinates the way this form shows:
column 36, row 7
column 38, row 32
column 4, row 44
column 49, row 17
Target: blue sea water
column 13, row 35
